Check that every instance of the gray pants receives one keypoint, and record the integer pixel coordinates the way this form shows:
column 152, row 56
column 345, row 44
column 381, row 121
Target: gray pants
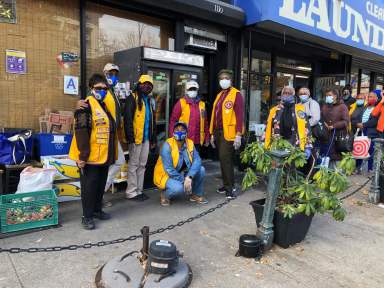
column 226, row 152
column 138, row 156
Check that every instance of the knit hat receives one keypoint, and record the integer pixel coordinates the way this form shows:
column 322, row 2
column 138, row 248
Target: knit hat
column 378, row 93
column 225, row 71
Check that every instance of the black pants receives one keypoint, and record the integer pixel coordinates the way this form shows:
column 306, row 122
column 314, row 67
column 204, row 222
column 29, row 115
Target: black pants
column 226, row 154
column 92, row 179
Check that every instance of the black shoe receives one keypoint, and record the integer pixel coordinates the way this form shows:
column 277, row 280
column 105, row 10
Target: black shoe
column 221, row 190
column 102, row 215
column 231, row 194
column 141, row 197
column 88, row 223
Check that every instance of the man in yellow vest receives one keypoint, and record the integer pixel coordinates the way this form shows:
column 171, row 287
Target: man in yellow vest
column 289, row 121
column 226, row 129
column 178, row 169
column 94, row 148
column 139, row 127
column 191, row 110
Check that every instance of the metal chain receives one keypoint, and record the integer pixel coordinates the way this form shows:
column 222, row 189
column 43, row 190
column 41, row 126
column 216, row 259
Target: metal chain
column 116, row 241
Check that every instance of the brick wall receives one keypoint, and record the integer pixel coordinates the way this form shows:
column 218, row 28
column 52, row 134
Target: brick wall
column 44, row 29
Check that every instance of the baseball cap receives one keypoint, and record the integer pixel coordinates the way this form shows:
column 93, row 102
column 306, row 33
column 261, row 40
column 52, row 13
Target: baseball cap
column 191, row 84
column 110, row 66
column 179, row 123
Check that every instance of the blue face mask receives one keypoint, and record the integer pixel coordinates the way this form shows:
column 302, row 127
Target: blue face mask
column 100, row 94
column 288, row 99
column 329, row 99
column 360, row 102
column 180, row 135
column 112, row 80
column 304, row 98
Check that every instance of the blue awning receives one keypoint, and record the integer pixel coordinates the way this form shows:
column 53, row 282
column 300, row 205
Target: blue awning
column 353, row 26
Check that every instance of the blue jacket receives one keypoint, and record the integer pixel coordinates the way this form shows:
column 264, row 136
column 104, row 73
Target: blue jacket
column 174, row 173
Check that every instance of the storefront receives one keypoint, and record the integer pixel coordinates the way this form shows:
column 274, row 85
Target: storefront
column 318, row 44
column 93, row 31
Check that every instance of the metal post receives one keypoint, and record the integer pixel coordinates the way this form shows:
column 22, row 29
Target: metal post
column 265, row 231
column 374, row 192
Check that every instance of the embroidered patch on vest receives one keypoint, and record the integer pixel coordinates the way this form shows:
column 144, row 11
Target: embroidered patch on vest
column 301, row 114
column 228, row 105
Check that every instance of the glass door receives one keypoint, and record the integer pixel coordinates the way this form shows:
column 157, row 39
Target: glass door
column 161, row 96
column 181, row 78
column 324, row 82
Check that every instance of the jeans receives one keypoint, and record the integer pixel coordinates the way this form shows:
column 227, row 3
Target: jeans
column 174, row 188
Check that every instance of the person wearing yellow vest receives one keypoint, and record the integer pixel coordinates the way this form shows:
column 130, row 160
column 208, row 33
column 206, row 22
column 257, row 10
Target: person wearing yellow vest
column 226, row 129
column 139, row 127
column 191, row 110
column 356, row 111
column 94, row 148
column 289, row 121
column 178, row 169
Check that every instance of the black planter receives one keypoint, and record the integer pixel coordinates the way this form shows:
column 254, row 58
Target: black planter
column 287, row 231
column 381, row 184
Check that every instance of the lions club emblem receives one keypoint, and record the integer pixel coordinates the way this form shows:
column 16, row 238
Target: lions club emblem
column 228, row 105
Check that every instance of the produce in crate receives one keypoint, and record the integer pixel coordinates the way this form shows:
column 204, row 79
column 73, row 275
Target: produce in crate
column 19, row 215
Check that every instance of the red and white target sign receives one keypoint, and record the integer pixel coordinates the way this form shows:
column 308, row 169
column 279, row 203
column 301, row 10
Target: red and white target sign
column 361, row 147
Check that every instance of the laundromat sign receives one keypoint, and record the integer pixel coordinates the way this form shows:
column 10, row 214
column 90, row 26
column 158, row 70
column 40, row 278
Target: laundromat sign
column 358, row 23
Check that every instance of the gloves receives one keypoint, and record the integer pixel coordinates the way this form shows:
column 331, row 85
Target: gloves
column 206, row 144
column 213, row 142
column 307, row 152
column 237, row 142
column 188, row 185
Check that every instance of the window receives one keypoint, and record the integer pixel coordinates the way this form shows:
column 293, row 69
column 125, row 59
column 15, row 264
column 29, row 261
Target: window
column 365, row 82
column 110, row 30
column 354, row 80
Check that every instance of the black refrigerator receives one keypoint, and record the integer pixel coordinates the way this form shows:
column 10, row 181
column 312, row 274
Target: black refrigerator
column 170, row 71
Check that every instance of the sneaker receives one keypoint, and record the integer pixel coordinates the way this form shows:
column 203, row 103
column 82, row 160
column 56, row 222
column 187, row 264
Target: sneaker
column 102, row 215
column 88, row 223
column 163, row 200
column 198, row 199
column 141, row 197
column 221, row 190
column 231, row 194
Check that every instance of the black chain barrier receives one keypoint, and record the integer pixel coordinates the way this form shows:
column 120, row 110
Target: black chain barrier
column 116, row 241
column 357, row 189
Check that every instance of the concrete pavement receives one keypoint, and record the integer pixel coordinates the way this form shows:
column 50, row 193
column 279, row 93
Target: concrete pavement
column 347, row 254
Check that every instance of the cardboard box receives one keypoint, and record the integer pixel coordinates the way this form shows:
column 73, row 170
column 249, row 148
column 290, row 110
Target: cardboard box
column 65, row 167
column 60, row 123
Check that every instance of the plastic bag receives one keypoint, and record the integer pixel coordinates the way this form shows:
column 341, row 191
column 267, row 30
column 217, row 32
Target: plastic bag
column 361, row 146
column 35, row 179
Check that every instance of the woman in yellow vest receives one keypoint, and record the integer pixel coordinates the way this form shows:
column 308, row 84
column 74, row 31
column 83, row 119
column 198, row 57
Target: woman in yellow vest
column 139, row 127
column 289, row 121
column 94, row 148
column 226, row 129
column 191, row 110
column 178, row 169
column 356, row 111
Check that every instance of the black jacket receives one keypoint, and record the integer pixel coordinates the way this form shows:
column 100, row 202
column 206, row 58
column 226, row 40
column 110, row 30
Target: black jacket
column 129, row 113
column 370, row 127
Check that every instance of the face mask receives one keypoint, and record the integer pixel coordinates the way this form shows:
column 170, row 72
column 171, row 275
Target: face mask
column 146, row 88
column 192, row 94
column 112, row 80
column 180, row 135
column 288, row 99
column 360, row 102
column 329, row 99
column 100, row 94
column 225, row 83
column 346, row 94
column 371, row 102
column 304, row 98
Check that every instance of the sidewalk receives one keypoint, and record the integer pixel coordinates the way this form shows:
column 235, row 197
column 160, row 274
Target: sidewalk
column 346, row 254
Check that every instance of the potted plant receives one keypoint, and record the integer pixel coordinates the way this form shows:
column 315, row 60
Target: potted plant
column 301, row 196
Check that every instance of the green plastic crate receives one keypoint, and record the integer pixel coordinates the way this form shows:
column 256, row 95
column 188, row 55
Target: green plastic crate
column 28, row 210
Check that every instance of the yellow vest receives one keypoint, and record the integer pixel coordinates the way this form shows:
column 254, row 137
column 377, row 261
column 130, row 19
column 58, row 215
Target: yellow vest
column 301, row 125
column 351, row 110
column 139, row 120
column 185, row 114
column 160, row 176
column 99, row 139
column 228, row 115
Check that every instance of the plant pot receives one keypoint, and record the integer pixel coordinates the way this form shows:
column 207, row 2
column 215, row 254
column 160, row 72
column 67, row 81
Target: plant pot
column 287, row 231
column 381, row 184
column 290, row 231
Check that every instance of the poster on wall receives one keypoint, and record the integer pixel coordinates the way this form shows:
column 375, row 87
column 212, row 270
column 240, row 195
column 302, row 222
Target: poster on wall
column 71, row 85
column 8, row 11
column 16, row 62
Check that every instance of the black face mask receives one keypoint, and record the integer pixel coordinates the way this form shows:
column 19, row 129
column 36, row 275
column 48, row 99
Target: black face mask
column 145, row 88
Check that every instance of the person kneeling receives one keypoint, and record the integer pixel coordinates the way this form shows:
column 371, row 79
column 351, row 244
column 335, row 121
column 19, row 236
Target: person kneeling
column 178, row 169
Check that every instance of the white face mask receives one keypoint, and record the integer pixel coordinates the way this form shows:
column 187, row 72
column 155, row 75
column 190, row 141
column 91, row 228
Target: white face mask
column 225, row 83
column 192, row 94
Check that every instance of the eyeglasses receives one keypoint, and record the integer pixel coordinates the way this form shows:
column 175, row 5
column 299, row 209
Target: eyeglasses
column 101, row 88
